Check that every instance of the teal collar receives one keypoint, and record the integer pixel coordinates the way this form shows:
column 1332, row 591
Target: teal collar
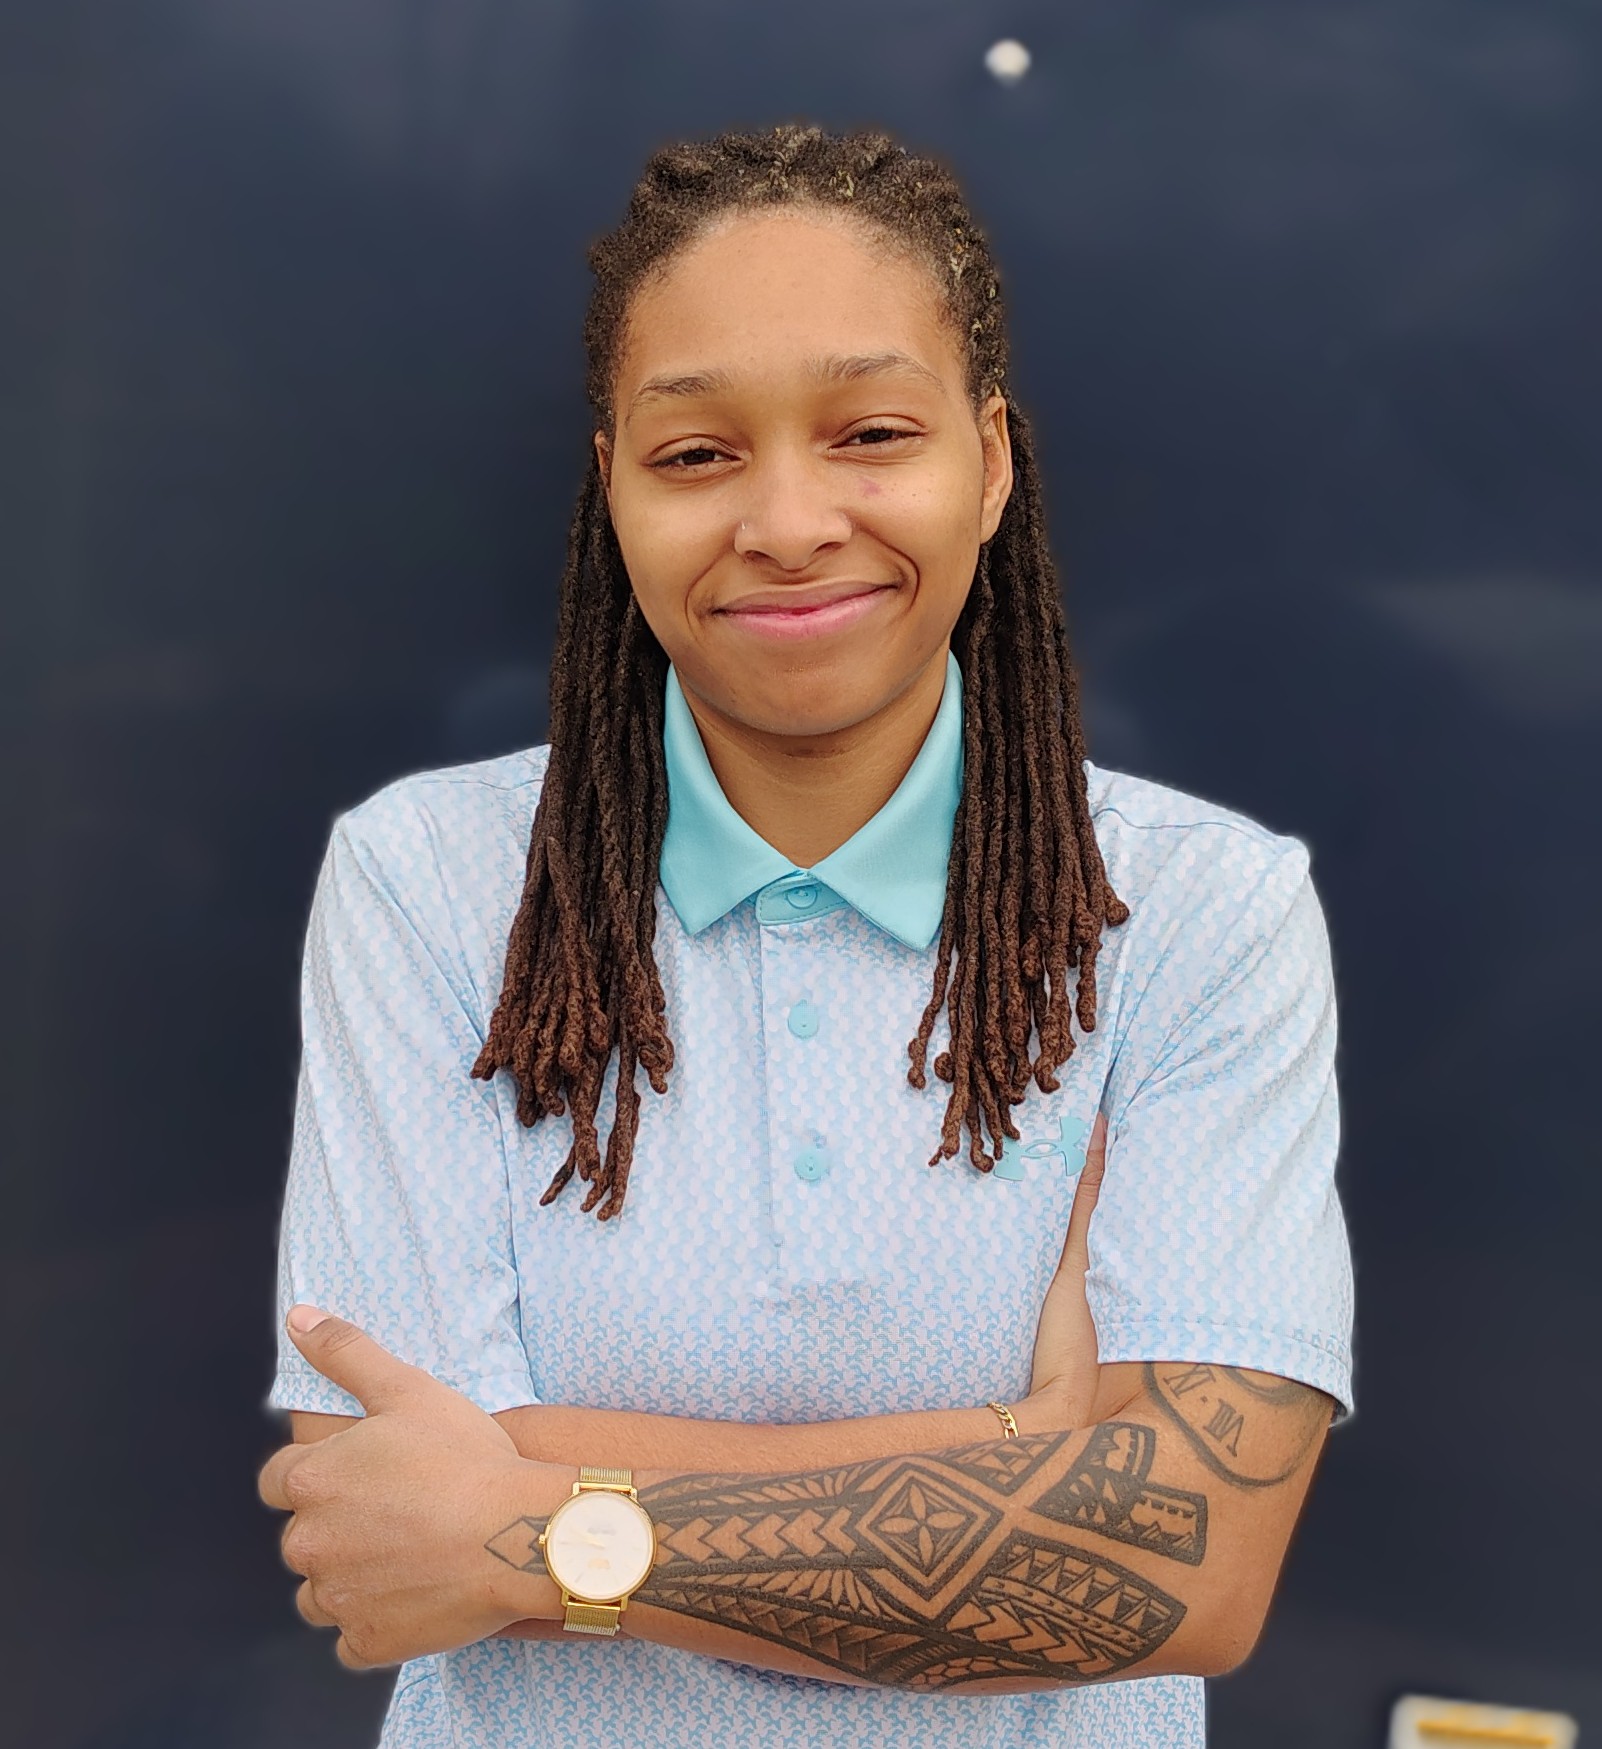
column 892, row 870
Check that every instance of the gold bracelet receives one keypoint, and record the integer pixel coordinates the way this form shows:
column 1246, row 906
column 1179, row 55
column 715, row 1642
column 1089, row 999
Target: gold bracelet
column 1006, row 1418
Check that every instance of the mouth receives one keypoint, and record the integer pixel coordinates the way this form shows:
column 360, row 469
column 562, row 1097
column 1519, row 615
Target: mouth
column 807, row 622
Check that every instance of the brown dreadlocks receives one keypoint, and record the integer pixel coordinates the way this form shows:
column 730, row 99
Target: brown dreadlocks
column 1026, row 892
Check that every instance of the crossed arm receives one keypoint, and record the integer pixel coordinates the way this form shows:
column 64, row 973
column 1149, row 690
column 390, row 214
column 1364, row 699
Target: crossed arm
column 924, row 1551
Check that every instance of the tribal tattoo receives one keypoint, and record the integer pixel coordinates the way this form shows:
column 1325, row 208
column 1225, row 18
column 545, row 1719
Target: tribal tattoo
column 1252, row 1429
column 931, row 1570
column 1107, row 1491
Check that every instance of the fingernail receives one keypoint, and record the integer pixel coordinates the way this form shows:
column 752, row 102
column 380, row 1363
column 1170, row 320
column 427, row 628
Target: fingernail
column 304, row 1318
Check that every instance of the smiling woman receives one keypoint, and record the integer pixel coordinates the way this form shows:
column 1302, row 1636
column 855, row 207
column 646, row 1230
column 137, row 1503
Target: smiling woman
column 887, row 1435
column 777, row 522
column 770, row 304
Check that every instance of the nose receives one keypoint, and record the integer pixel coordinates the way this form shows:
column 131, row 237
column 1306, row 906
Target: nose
column 790, row 512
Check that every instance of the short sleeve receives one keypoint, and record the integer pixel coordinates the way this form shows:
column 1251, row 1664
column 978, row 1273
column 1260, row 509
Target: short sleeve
column 396, row 1210
column 1218, row 1235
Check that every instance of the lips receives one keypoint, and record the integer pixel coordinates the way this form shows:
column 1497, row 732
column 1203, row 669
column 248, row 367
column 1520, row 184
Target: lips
column 798, row 600
column 818, row 619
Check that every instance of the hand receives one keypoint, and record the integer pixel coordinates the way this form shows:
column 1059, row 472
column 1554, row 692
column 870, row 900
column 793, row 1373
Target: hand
column 391, row 1515
column 1066, row 1368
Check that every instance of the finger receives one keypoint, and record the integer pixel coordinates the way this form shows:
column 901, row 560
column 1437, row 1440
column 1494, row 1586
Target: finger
column 347, row 1355
column 1076, row 1246
column 283, row 1545
column 347, row 1656
column 307, row 1604
column 270, row 1482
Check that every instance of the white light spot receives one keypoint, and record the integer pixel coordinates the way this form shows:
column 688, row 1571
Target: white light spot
column 1008, row 60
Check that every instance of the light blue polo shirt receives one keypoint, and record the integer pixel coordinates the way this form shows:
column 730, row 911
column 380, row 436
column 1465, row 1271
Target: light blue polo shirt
column 785, row 1252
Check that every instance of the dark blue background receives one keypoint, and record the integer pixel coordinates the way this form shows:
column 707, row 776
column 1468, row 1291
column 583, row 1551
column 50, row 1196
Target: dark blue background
column 1305, row 306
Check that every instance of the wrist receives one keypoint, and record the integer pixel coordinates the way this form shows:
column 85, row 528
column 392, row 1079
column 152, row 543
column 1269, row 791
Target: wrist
column 518, row 1576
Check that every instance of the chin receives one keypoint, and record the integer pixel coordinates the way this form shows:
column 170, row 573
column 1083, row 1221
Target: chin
column 818, row 703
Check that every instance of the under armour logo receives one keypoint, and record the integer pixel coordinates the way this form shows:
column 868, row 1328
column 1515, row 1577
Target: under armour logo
column 1068, row 1150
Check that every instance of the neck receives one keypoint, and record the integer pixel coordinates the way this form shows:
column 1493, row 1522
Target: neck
column 806, row 795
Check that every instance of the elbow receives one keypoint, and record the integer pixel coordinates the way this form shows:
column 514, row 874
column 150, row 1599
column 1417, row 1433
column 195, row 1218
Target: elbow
column 1230, row 1638
column 1226, row 1655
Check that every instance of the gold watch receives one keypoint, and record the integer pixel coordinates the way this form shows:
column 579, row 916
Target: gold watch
column 599, row 1546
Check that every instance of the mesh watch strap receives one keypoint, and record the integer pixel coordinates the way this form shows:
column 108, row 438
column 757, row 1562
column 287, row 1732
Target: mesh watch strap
column 591, row 1618
column 597, row 1476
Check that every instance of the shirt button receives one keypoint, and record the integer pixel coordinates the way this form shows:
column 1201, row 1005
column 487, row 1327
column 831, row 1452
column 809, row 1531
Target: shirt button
column 811, row 1164
column 803, row 1020
column 802, row 898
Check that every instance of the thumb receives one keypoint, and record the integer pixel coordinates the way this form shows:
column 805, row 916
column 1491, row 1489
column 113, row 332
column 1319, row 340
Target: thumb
column 346, row 1354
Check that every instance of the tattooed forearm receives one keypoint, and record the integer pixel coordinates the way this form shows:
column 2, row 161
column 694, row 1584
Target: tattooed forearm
column 936, row 1569
column 993, row 1564
column 1252, row 1430
column 1107, row 1491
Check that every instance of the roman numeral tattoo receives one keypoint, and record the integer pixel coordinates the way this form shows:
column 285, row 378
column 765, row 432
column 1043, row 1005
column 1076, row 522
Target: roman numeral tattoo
column 1249, row 1428
column 932, row 1570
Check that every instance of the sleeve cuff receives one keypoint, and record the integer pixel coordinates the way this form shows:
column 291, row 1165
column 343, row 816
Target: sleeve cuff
column 1306, row 1356
column 303, row 1387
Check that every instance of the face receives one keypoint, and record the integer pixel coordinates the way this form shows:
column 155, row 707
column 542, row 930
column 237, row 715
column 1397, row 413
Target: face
column 744, row 475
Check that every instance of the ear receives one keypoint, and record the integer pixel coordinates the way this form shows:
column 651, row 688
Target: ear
column 997, row 442
column 603, row 456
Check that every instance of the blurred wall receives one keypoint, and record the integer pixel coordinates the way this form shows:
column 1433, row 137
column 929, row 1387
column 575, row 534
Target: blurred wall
column 1305, row 308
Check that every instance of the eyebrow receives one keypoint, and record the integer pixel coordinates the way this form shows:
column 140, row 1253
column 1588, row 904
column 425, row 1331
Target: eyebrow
column 833, row 368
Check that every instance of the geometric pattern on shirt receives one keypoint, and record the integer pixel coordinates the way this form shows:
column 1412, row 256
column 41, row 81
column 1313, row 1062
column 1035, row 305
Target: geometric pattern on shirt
column 411, row 1206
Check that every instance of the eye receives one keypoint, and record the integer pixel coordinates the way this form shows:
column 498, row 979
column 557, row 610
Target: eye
column 880, row 431
column 686, row 460
column 676, row 461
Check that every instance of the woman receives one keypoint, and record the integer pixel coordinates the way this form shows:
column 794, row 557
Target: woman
column 840, row 1456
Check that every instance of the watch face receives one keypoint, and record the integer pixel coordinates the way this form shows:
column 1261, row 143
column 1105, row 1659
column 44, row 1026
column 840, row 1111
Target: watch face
column 599, row 1546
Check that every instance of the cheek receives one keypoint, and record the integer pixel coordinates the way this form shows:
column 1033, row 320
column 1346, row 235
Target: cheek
column 675, row 533
column 938, row 527
column 659, row 550
column 665, row 558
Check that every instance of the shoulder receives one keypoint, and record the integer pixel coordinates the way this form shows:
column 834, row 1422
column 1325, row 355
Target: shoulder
column 1145, row 827
column 462, row 808
column 1198, row 876
column 1124, row 806
column 447, row 849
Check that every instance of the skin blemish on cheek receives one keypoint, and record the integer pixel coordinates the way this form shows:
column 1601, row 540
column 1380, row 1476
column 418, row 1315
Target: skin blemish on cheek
column 870, row 488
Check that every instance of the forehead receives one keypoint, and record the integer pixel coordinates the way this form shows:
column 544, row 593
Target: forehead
column 763, row 291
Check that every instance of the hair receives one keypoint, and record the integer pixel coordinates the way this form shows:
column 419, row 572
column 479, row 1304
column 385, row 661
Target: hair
column 1026, row 889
